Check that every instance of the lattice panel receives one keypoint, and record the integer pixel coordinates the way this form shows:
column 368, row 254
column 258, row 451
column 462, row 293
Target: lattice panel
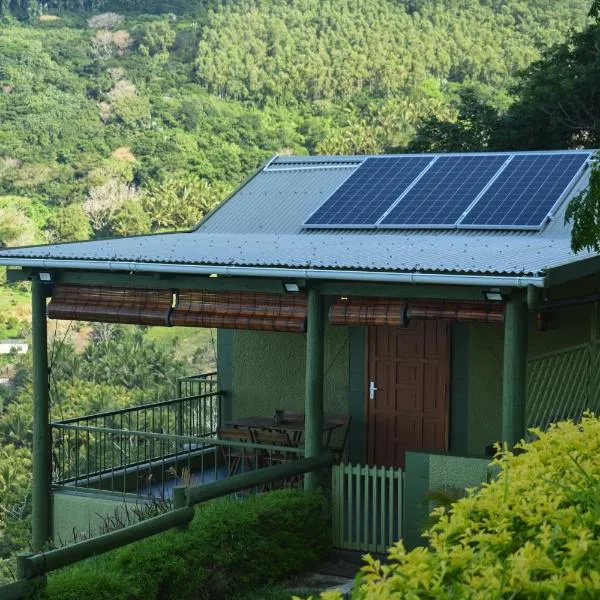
column 558, row 386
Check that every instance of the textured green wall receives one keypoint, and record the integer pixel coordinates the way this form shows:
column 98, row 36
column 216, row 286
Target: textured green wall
column 425, row 472
column 484, row 413
column 269, row 371
column 78, row 514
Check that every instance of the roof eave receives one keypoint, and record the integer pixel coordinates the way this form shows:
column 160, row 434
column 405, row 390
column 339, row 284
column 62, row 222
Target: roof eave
column 483, row 280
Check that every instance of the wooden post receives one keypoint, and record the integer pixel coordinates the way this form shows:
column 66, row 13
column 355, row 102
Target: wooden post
column 42, row 465
column 313, row 433
column 514, row 389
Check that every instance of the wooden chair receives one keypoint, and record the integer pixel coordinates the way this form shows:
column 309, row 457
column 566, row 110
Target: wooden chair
column 268, row 437
column 339, row 436
column 270, row 458
column 236, row 457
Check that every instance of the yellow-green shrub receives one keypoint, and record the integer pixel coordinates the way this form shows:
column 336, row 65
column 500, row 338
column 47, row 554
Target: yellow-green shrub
column 533, row 532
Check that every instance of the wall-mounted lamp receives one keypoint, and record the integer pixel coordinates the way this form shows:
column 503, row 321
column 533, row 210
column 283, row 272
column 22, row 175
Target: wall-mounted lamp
column 291, row 287
column 493, row 295
column 45, row 277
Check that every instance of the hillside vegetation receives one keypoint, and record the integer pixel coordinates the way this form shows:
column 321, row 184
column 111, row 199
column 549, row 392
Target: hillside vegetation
column 141, row 118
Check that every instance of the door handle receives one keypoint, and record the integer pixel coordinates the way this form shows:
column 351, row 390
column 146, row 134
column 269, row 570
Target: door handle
column 372, row 390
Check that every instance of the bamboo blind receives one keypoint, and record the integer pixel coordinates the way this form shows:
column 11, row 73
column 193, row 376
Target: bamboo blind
column 368, row 311
column 457, row 310
column 111, row 304
column 397, row 313
column 241, row 310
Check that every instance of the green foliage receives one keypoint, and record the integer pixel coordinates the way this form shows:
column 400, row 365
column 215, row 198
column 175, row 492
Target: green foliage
column 157, row 40
column 470, row 131
column 69, row 223
column 533, row 532
column 584, row 211
column 557, row 104
column 230, row 547
column 178, row 201
column 294, row 52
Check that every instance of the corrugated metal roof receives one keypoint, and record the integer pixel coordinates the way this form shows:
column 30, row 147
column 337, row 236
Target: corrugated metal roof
column 423, row 252
column 261, row 226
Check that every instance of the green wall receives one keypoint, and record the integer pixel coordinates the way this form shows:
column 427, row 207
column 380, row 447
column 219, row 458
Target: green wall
column 268, row 371
column 79, row 514
column 425, row 472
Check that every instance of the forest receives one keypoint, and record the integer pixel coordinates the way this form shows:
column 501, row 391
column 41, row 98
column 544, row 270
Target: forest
column 137, row 116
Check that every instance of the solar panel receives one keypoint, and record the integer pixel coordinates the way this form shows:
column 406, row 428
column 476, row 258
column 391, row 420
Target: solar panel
column 443, row 194
column 364, row 197
column 526, row 191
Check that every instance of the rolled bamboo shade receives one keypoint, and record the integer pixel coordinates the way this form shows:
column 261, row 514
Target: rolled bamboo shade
column 368, row 311
column 457, row 310
column 241, row 310
column 397, row 313
column 107, row 304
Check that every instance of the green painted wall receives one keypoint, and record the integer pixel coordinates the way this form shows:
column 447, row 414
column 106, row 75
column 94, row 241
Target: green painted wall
column 269, row 371
column 425, row 472
column 79, row 514
column 484, row 412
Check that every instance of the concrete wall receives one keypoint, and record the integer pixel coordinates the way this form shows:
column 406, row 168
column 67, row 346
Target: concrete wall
column 79, row 514
column 425, row 472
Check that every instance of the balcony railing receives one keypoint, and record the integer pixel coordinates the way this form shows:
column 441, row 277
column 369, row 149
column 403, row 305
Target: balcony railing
column 146, row 450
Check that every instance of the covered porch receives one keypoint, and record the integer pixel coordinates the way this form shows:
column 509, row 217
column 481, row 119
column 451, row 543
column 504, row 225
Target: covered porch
column 147, row 450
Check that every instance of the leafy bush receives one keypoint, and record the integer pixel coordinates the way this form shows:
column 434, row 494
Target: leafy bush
column 533, row 532
column 231, row 546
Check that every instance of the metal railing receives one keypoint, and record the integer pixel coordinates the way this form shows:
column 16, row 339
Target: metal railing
column 84, row 451
column 197, row 385
column 150, row 464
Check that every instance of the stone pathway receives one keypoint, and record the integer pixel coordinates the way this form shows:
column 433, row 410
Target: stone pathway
column 337, row 574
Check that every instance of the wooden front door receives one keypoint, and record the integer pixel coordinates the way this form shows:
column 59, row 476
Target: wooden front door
column 409, row 367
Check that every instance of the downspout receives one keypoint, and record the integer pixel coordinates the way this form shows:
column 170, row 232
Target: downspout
column 281, row 273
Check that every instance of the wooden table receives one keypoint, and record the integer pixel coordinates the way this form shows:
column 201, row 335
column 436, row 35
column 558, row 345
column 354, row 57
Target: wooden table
column 295, row 424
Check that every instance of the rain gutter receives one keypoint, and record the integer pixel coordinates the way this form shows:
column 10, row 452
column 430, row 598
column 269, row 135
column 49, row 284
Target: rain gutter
column 280, row 273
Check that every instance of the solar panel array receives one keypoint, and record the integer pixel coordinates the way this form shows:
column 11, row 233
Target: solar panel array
column 526, row 191
column 481, row 191
column 377, row 179
column 441, row 197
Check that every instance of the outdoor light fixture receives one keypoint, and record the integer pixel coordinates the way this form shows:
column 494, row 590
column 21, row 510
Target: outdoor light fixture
column 46, row 277
column 290, row 287
column 493, row 295
column 213, row 275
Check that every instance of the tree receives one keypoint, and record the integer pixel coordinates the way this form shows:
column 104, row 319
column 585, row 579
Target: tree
column 471, row 131
column 16, row 229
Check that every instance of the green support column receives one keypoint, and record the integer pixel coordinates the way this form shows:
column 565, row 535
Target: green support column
column 313, row 433
column 514, row 389
column 40, row 494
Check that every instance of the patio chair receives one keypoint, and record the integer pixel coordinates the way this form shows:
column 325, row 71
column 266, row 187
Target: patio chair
column 235, row 457
column 339, row 436
column 267, row 437
column 270, row 458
